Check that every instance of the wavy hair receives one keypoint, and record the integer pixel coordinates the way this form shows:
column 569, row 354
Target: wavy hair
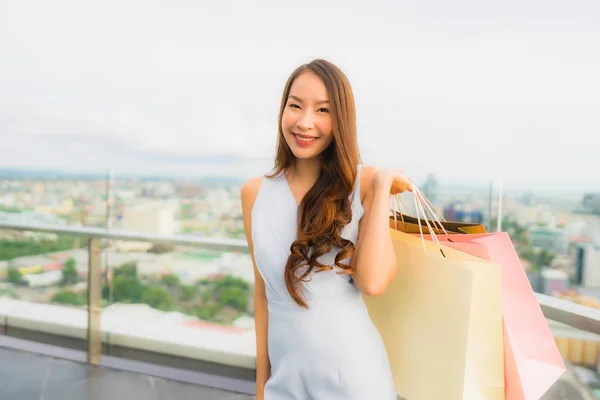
column 326, row 208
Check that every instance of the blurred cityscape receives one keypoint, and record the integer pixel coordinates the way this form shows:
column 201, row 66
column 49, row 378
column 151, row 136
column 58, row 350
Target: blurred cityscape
column 557, row 238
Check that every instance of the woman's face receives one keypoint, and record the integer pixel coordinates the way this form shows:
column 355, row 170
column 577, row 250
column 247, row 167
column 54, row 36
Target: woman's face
column 306, row 120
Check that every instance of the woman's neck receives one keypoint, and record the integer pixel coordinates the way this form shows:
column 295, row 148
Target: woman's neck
column 306, row 170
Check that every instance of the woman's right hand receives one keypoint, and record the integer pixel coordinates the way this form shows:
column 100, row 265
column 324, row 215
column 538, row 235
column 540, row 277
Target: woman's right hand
column 392, row 180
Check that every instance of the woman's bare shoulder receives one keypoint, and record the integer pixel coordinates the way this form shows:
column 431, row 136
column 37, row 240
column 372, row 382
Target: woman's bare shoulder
column 250, row 188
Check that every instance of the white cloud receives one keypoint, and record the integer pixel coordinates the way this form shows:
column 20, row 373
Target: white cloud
column 510, row 87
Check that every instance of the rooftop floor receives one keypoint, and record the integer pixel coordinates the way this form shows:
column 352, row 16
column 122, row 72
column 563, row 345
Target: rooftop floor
column 29, row 376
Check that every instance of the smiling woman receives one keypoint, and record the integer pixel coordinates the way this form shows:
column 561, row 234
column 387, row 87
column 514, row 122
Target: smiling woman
column 314, row 337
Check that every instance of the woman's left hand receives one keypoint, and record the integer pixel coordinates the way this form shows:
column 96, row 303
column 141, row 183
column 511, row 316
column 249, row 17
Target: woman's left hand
column 392, row 180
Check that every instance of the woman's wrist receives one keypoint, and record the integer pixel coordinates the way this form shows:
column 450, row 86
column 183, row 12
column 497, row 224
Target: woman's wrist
column 382, row 182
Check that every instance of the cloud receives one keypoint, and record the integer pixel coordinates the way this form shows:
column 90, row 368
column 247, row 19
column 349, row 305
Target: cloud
column 510, row 88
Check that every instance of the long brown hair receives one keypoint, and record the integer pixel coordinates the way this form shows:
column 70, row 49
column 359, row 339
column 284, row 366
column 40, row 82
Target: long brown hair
column 326, row 208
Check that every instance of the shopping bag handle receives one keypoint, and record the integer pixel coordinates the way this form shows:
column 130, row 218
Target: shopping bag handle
column 422, row 204
column 424, row 207
column 432, row 212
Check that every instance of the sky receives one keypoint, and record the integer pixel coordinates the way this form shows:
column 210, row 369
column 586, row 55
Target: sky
column 467, row 90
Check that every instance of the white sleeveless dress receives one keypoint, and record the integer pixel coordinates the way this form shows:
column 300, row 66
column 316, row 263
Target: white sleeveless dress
column 332, row 351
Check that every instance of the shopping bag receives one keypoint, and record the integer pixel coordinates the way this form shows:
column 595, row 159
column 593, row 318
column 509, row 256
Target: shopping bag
column 532, row 360
column 440, row 320
column 409, row 224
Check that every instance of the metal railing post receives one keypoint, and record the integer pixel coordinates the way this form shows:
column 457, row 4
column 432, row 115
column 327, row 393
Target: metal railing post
column 94, row 301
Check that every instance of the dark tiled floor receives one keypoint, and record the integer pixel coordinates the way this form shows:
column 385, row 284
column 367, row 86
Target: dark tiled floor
column 28, row 376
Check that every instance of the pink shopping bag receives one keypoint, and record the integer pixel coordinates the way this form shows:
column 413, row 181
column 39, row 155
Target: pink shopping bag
column 532, row 362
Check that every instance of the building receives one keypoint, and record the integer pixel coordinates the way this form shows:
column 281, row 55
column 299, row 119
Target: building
column 33, row 264
column 150, row 217
column 591, row 203
column 554, row 281
column 461, row 213
column 45, row 279
column 546, row 238
column 587, row 263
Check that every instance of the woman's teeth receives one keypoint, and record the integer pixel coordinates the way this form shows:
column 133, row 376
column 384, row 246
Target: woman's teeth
column 305, row 139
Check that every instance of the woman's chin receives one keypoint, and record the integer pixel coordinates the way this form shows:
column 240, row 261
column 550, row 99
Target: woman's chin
column 305, row 154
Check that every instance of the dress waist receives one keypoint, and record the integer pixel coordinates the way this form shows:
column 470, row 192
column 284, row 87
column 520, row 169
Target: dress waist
column 348, row 301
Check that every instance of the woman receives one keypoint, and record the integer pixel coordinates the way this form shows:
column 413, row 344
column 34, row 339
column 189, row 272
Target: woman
column 317, row 229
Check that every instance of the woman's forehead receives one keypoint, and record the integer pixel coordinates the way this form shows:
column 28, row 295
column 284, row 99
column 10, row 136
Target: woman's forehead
column 308, row 87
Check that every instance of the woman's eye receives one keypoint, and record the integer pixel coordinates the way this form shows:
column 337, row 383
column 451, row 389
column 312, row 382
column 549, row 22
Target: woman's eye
column 323, row 109
column 292, row 105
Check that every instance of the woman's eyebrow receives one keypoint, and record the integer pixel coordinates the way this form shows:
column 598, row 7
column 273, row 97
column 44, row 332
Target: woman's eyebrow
column 298, row 99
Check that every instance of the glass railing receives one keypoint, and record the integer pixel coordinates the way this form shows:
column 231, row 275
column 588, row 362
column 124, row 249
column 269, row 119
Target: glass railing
column 178, row 301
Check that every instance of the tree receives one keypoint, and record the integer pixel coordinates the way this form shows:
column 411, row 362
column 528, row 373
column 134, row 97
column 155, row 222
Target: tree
column 171, row 281
column 527, row 252
column 229, row 291
column 207, row 312
column 106, row 292
column 126, row 289
column 10, row 248
column 188, row 292
column 229, row 280
column 67, row 297
column 70, row 274
column 545, row 258
column 234, row 296
column 156, row 297
column 8, row 293
column 128, row 270
column 13, row 275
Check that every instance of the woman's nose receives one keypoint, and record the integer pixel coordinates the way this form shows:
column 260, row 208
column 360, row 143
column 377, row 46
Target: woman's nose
column 305, row 121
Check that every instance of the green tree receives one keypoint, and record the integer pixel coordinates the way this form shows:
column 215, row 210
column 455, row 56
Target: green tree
column 126, row 289
column 188, row 292
column 207, row 296
column 12, row 210
column 545, row 258
column 171, row 281
column 67, row 297
column 13, row 275
column 128, row 270
column 527, row 252
column 105, row 292
column 8, row 293
column 234, row 296
column 10, row 248
column 156, row 297
column 204, row 282
column 228, row 281
column 207, row 312
column 70, row 275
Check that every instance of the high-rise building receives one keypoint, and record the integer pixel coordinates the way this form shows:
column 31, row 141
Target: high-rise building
column 587, row 264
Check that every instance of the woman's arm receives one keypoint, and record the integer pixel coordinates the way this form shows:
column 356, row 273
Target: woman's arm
column 263, row 366
column 374, row 258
